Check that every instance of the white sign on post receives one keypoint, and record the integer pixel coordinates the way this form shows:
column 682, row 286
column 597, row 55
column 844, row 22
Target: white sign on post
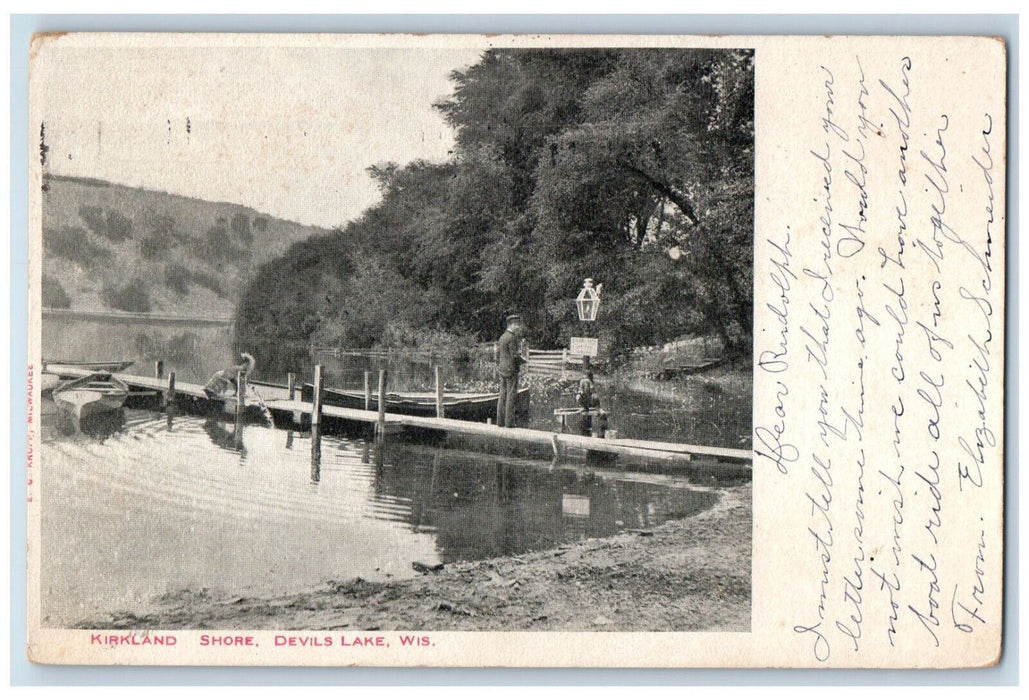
column 584, row 346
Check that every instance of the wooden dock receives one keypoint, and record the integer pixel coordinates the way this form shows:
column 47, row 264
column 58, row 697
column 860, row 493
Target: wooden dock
column 279, row 403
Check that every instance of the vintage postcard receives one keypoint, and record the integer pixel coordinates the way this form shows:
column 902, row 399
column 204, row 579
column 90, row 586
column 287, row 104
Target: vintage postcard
column 459, row 350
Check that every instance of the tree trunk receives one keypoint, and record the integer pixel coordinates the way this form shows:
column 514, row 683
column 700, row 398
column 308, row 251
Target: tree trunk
column 665, row 190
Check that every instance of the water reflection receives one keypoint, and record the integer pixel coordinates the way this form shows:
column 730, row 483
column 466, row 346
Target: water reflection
column 699, row 413
column 481, row 506
column 148, row 510
column 227, row 436
column 316, row 453
column 98, row 426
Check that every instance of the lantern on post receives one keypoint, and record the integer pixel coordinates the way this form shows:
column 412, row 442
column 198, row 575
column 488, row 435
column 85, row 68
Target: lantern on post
column 588, row 300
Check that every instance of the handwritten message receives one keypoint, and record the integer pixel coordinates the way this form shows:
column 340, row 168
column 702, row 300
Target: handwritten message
column 879, row 363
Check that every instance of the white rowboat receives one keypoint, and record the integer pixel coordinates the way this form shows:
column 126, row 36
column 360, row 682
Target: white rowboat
column 99, row 392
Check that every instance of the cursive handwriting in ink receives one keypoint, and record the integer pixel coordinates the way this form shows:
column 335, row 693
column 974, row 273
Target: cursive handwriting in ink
column 928, row 617
column 773, row 446
column 775, row 361
column 937, row 180
column 770, row 438
column 901, row 112
column 821, row 503
column 983, row 437
column 855, row 172
column 968, row 609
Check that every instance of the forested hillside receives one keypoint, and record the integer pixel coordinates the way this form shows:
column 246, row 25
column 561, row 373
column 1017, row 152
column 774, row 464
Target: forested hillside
column 112, row 247
column 634, row 167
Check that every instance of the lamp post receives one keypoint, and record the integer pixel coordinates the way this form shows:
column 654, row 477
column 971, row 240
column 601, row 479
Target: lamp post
column 587, row 303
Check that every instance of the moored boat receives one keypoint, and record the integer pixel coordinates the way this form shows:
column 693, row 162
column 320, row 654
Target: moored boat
column 111, row 366
column 476, row 407
column 95, row 393
column 49, row 382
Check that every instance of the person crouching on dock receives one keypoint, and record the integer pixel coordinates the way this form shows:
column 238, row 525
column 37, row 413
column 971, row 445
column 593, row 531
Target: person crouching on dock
column 223, row 382
column 510, row 360
column 594, row 419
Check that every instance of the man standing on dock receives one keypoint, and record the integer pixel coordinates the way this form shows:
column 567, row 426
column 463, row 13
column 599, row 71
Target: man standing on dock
column 510, row 361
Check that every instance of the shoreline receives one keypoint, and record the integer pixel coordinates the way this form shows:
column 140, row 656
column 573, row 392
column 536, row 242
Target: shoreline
column 689, row 574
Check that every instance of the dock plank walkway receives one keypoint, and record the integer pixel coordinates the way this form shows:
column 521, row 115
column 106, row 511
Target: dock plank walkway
column 276, row 399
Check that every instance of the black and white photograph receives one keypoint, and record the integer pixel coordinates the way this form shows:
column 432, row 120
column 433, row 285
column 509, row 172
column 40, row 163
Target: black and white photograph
column 371, row 338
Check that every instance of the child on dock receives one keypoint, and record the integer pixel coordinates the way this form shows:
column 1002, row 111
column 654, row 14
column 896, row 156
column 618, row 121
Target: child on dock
column 223, row 382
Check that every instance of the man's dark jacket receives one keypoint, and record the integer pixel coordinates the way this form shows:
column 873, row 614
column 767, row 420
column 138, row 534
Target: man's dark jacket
column 507, row 350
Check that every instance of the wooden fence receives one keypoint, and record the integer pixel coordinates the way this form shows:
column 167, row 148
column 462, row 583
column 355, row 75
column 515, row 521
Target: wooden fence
column 560, row 364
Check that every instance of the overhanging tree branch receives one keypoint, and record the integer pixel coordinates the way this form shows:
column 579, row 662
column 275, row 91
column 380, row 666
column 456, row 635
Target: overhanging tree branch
column 675, row 197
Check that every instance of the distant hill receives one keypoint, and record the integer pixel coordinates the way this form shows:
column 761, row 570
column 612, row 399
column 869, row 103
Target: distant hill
column 112, row 247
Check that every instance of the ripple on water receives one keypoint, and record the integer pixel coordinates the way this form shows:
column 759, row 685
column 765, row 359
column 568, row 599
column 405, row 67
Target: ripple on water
column 150, row 510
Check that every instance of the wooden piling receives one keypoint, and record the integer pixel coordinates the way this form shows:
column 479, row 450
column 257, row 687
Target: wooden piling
column 316, row 399
column 159, row 369
column 241, row 392
column 380, row 424
column 292, row 385
column 316, row 453
column 316, row 425
column 169, row 393
column 367, row 391
column 439, row 394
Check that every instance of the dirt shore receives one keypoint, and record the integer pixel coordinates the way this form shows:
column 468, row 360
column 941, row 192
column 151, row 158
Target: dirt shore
column 692, row 574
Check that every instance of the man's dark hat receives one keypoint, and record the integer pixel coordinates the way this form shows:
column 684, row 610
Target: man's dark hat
column 511, row 318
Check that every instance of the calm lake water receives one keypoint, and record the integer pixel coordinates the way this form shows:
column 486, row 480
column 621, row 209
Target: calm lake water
column 146, row 508
column 699, row 411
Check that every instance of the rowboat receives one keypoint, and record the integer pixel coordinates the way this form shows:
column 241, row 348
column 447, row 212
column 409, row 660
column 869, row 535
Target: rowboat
column 476, row 407
column 49, row 382
column 95, row 393
column 115, row 366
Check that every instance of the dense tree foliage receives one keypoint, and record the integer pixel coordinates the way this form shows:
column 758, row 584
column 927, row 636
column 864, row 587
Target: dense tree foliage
column 634, row 167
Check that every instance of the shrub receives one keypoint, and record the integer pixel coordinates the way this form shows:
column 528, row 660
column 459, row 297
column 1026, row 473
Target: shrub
column 54, row 296
column 111, row 224
column 119, row 227
column 94, row 218
column 241, row 227
column 152, row 245
column 133, row 296
column 209, row 281
column 218, row 246
column 176, row 278
column 161, row 235
column 74, row 243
